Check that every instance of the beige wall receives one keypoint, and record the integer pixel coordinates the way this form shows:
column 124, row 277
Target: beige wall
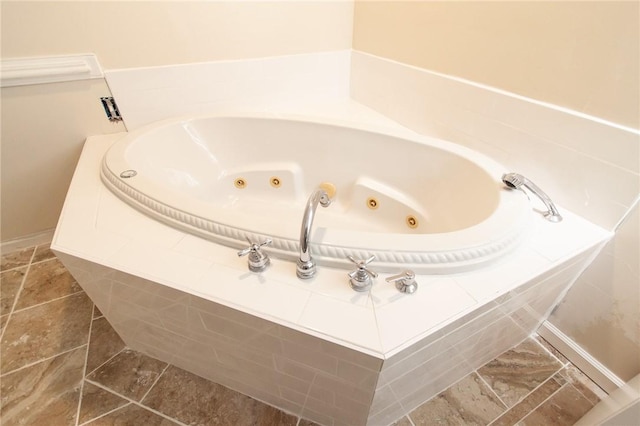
column 44, row 126
column 125, row 34
column 580, row 55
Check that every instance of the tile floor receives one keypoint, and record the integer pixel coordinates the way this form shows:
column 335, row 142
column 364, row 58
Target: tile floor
column 62, row 364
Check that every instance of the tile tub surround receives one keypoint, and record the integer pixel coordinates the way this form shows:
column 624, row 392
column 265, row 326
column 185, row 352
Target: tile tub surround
column 100, row 381
column 192, row 303
column 150, row 94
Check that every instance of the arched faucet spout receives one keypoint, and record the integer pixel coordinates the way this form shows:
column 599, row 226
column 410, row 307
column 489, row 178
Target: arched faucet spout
column 305, row 266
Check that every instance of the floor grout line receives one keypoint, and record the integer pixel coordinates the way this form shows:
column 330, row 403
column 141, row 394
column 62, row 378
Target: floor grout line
column 552, row 377
column 17, row 297
column 159, row 413
column 131, row 401
column 155, row 382
column 105, row 414
column 507, row 408
column 101, row 365
column 543, row 402
column 41, row 360
column 84, row 369
column 49, row 301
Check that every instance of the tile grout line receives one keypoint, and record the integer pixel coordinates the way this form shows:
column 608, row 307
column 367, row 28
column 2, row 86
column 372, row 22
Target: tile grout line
column 507, row 408
column 40, row 360
column 131, row 401
column 525, row 397
column 49, row 301
column 166, row 367
column 306, row 397
column 410, row 420
column 544, row 401
column 15, row 301
column 112, row 357
column 84, row 370
column 160, row 414
column 105, row 414
column 564, row 365
column 583, row 395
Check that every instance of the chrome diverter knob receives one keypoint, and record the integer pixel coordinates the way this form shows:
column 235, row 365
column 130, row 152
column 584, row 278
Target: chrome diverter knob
column 362, row 278
column 258, row 260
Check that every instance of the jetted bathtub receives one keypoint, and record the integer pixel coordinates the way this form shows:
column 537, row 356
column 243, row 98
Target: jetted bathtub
column 413, row 202
column 316, row 348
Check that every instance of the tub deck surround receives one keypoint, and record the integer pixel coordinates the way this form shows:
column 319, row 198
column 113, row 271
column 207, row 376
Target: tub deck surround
column 316, row 348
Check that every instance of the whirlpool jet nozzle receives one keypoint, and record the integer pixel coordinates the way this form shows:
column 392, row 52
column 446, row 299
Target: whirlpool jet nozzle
column 517, row 181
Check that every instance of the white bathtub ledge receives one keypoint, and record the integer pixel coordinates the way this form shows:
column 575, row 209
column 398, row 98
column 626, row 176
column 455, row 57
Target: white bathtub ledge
column 214, row 272
column 118, row 236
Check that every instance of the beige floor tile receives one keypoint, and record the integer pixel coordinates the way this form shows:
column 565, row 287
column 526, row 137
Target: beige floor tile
column 46, row 281
column 43, row 252
column 551, row 349
column 468, row 402
column 583, row 384
column 194, row 400
column 10, row 282
column 44, row 331
column 3, row 322
column 515, row 373
column 129, row 373
column 97, row 401
column 132, row 415
column 529, row 403
column 45, row 393
column 16, row 258
column 104, row 343
column 96, row 312
column 564, row 408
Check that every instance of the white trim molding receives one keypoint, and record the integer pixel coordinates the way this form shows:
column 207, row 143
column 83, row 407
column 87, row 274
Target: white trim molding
column 27, row 71
column 20, row 243
column 590, row 366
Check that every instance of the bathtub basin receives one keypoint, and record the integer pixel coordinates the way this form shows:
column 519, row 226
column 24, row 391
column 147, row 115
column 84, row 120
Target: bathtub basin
column 412, row 201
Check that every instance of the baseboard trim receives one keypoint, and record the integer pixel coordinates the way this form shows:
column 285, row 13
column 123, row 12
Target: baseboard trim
column 590, row 366
column 36, row 239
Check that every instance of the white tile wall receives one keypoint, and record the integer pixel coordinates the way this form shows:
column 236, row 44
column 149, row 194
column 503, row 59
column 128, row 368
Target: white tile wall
column 576, row 159
column 145, row 95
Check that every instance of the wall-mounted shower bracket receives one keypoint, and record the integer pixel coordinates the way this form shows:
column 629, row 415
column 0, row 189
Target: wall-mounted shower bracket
column 111, row 108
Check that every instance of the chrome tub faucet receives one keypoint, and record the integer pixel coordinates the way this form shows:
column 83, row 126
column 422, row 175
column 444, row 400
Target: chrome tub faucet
column 306, row 266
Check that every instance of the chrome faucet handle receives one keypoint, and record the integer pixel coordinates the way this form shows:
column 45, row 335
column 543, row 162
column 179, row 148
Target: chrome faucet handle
column 258, row 260
column 405, row 281
column 362, row 278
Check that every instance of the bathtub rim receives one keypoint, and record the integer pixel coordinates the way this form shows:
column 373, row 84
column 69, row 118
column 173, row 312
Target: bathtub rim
column 439, row 253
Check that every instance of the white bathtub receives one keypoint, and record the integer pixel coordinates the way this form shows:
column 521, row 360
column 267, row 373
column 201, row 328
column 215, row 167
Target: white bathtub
column 314, row 348
column 413, row 202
